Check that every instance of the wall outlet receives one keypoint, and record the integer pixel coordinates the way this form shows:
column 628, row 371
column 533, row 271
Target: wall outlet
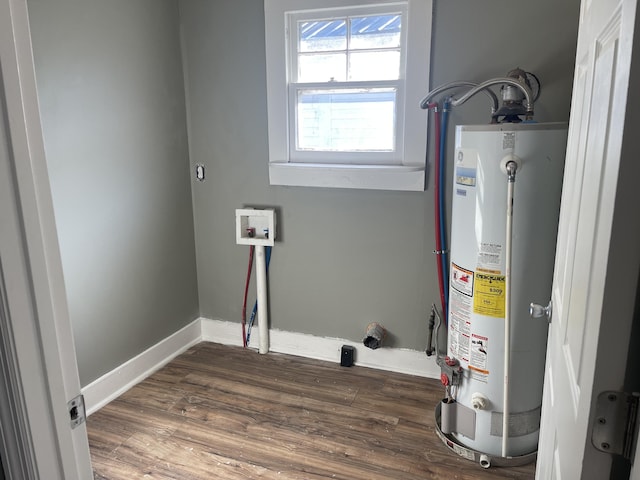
column 255, row 226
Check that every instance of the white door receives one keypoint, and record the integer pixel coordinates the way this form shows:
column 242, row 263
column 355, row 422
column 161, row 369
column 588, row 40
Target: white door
column 37, row 354
column 598, row 248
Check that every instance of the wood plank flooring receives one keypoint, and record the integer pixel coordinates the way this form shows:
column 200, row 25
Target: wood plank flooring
column 219, row 412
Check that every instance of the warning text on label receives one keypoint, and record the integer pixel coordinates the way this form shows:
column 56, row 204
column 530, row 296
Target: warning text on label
column 489, row 295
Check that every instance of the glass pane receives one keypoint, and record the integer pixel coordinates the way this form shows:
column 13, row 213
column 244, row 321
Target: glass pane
column 381, row 65
column 375, row 31
column 351, row 120
column 317, row 67
column 322, row 36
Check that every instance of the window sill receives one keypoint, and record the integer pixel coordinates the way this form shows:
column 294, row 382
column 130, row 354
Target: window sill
column 373, row 177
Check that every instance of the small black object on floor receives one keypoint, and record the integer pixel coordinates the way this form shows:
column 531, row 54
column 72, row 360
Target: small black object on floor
column 346, row 358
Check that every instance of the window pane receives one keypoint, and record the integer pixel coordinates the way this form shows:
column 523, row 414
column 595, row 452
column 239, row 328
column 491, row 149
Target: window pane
column 375, row 31
column 381, row 65
column 322, row 36
column 349, row 120
column 317, row 67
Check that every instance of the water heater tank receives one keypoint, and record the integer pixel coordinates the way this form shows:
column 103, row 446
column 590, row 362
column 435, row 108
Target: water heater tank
column 477, row 291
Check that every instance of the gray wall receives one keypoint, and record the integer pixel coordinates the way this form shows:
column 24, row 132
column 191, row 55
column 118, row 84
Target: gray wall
column 345, row 258
column 112, row 101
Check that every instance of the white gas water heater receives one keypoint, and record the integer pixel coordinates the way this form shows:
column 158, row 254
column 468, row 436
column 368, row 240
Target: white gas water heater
column 507, row 179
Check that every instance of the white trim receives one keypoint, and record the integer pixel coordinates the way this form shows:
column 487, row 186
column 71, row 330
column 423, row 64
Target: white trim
column 283, row 170
column 401, row 360
column 114, row 383
column 635, row 466
column 44, row 349
column 348, row 176
column 226, row 333
column 393, row 85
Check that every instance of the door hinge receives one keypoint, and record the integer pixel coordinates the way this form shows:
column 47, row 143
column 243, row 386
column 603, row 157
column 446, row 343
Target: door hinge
column 77, row 413
column 615, row 425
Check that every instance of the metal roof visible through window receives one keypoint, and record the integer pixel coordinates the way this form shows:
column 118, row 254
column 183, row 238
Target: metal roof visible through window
column 375, row 24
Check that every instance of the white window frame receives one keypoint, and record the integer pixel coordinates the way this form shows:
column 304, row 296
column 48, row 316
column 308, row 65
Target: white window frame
column 405, row 172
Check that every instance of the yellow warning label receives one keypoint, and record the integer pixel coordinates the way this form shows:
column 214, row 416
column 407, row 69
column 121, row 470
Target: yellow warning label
column 489, row 295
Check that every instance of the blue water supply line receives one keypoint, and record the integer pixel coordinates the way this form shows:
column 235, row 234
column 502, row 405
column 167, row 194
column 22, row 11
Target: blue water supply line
column 444, row 256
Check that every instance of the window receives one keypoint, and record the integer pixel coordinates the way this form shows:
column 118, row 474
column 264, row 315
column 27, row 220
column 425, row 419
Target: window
column 344, row 83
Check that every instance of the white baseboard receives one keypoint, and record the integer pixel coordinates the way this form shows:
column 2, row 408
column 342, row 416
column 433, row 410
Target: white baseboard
column 114, row 383
column 399, row 360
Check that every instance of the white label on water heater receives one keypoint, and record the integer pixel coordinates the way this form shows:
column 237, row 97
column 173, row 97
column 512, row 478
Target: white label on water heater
column 508, row 140
column 460, row 307
column 478, row 361
column 490, row 257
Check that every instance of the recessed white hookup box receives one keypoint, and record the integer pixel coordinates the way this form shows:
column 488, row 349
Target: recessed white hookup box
column 255, row 226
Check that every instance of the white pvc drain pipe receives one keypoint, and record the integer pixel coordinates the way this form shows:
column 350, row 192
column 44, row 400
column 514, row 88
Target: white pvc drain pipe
column 261, row 284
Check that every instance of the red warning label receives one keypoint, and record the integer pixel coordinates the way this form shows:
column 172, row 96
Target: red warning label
column 462, row 279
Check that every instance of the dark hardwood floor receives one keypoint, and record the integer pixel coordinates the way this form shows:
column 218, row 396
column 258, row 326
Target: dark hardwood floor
column 219, row 412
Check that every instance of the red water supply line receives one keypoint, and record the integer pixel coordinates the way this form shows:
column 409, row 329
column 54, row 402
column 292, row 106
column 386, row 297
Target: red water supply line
column 244, row 301
column 436, row 200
